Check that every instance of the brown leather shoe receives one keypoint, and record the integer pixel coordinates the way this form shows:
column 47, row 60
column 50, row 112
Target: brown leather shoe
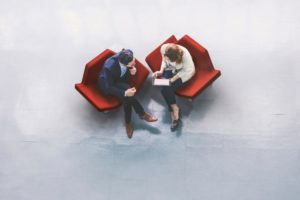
column 129, row 130
column 148, row 117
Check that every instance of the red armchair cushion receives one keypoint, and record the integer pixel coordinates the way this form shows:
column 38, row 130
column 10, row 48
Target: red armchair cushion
column 89, row 89
column 198, row 83
column 96, row 98
column 141, row 75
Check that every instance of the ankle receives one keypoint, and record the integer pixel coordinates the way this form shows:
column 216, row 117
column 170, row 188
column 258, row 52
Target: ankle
column 175, row 108
column 142, row 115
column 172, row 115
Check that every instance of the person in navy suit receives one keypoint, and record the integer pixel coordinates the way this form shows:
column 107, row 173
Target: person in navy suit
column 114, row 80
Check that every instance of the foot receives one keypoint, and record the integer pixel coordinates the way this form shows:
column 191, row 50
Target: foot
column 175, row 119
column 176, row 114
column 172, row 115
column 148, row 117
column 129, row 129
column 174, row 125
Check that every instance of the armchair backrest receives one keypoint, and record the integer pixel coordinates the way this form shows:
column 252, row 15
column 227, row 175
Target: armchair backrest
column 93, row 67
column 155, row 63
column 142, row 73
column 199, row 54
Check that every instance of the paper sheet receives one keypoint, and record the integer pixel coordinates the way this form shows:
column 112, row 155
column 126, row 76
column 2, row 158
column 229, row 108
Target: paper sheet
column 161, row 82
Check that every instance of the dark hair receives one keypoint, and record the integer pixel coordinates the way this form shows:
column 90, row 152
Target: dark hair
column 174, row 54
column 125, row 56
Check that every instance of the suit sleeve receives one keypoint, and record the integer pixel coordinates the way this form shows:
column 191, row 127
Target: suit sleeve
column 111, row 87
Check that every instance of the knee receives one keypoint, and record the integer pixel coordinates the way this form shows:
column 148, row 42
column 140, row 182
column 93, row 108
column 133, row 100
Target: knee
column 163, row 92
column 166, row 90
column 129, row 100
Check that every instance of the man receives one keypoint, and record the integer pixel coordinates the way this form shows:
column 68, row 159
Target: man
column 113, row 80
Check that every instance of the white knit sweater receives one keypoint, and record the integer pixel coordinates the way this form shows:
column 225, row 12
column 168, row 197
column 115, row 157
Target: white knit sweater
column 186, row 67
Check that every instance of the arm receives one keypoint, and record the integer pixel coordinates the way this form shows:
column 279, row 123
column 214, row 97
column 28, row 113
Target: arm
column 163, row 63
column 110, row 86
column 188, row 69
column 174, row 78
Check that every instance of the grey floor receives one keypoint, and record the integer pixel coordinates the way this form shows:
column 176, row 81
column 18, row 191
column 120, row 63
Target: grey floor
column 239, row 140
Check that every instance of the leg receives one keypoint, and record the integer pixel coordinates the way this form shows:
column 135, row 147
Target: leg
column 123, row 86
column 127, row 104
column 138, row 108
column 125, row 100
column 166, row 90
column 132, row 100
column 168, row 93
column 127, row 111
column 169, row 96
column 175, row 85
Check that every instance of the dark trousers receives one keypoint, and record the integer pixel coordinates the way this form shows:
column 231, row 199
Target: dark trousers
column 168, row 92
column 128, row 102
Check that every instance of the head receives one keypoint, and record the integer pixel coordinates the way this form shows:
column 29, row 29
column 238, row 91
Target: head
column 173, row 53
column 126, row 58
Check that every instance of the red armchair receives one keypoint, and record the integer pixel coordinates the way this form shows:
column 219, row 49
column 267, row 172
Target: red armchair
column 205, row 72
column 88, row 87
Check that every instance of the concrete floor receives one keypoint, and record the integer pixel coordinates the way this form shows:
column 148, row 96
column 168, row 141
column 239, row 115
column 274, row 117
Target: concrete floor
column 239, row 140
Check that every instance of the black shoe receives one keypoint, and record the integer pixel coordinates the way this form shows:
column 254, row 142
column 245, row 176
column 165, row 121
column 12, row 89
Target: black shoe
column 175, row 123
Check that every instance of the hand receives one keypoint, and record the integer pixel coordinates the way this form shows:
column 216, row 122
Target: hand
column 174, row 78
column 130, row 92
column 157, row 74
column 132, row 70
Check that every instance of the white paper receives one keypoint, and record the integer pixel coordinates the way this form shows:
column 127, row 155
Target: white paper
column 163, row 82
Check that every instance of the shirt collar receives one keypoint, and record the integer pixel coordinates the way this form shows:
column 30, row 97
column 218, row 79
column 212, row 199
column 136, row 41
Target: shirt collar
column 122, row 65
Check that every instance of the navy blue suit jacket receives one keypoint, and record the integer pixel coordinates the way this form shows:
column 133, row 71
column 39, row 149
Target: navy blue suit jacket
column 110, row 76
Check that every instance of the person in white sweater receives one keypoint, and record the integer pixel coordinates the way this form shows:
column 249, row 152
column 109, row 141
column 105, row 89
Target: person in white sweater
column 177, row 66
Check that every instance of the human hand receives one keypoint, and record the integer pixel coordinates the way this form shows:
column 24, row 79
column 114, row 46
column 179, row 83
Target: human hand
column 130, row 92
column 132, row 70
column 157, row 74
column 174, row 78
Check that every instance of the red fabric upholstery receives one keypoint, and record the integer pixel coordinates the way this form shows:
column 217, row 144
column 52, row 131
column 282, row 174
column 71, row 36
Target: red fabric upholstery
column 154, row 58
column 88, row 87
column 141, row 75
column 205, row 72
column 94, row 96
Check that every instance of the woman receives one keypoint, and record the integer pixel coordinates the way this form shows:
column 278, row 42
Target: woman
column 177, row 66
